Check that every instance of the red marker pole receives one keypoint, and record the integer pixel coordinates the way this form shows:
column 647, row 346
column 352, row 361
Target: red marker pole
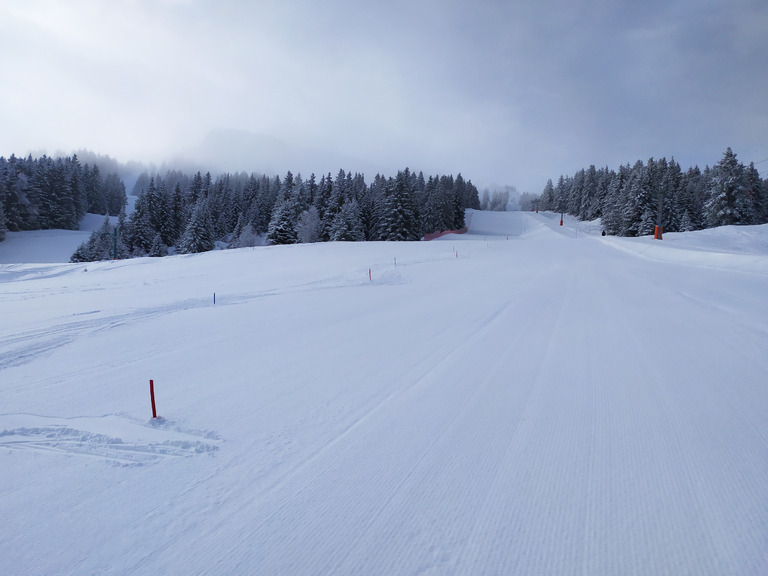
column 152, row 395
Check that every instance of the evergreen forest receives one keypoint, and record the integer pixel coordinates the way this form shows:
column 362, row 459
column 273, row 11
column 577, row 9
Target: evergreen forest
column 180, row 213
column 628, row 200
column 45, row 193
column 185, row 213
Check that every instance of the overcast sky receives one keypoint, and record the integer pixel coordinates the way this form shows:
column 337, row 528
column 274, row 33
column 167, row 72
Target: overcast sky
column 506, row 92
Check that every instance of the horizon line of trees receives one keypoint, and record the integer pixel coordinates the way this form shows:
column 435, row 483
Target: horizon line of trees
column 46, row 193
column 627, row 200
column 188, row 214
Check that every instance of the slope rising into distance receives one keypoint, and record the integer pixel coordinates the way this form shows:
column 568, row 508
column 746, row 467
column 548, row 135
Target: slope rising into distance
column 522, row 399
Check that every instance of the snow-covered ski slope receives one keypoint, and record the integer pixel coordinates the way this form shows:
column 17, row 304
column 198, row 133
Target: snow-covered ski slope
column 521, row 399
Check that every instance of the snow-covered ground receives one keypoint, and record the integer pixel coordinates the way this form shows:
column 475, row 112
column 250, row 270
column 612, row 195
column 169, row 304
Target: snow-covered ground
column 522, row 399
column 47, row 245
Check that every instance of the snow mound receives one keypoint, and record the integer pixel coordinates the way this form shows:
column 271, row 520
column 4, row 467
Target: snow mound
column 728, row 239
column 389, row 277
column 737, row 248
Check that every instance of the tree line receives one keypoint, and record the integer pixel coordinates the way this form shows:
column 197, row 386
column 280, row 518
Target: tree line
column 46, row 193
column 628, row 199
column 180, row 213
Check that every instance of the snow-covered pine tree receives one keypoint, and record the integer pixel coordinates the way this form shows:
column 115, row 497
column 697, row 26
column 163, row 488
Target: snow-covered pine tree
column 671, row 189
column 473, row 198
column 282, row 227
column 756, row 194
column 458, row 206
column 67, row 216
column 178, row 215
column 603, row 180
column 247, row 238
column 728, row 201
column 94, row 190
column 575, row 191
column 338, row 194
column 114, row 190
column 225, row 214
column 445, row 204
column 378, row 193
column 159, row 210
column 122, row 236
column 141, row 184
column 398, row 221
column 429, row 209
column 548, row 196
column 311, row 188
column 40, row 196
column 589, row 207
column 140, row 232
column 3, row 227
column 75, row 175
column 686, row 224
column 641, row 203
column 158, row 248
column 198, row 235
column 691, row 198
column 301, row 195
column 366, row 200
column 561, row 191
column 99, row 246
column 461, row 192
column 612, row 206
column 309, row 226
column 11, row 194
column 346, row 225
column 81, row 254
column 647, row 221
column 323, row 195
column 265, row 203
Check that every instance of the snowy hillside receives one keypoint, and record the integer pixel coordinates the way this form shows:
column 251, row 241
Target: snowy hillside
column 521, row 399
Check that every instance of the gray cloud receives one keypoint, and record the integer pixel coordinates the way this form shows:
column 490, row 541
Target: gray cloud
column 505, row 92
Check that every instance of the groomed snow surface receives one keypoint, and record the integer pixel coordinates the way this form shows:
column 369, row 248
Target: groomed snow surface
column 522, row 399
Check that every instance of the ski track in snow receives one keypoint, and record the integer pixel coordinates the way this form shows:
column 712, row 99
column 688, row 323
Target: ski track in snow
column 25, row 347
column 93, row 437
column 551, row 403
